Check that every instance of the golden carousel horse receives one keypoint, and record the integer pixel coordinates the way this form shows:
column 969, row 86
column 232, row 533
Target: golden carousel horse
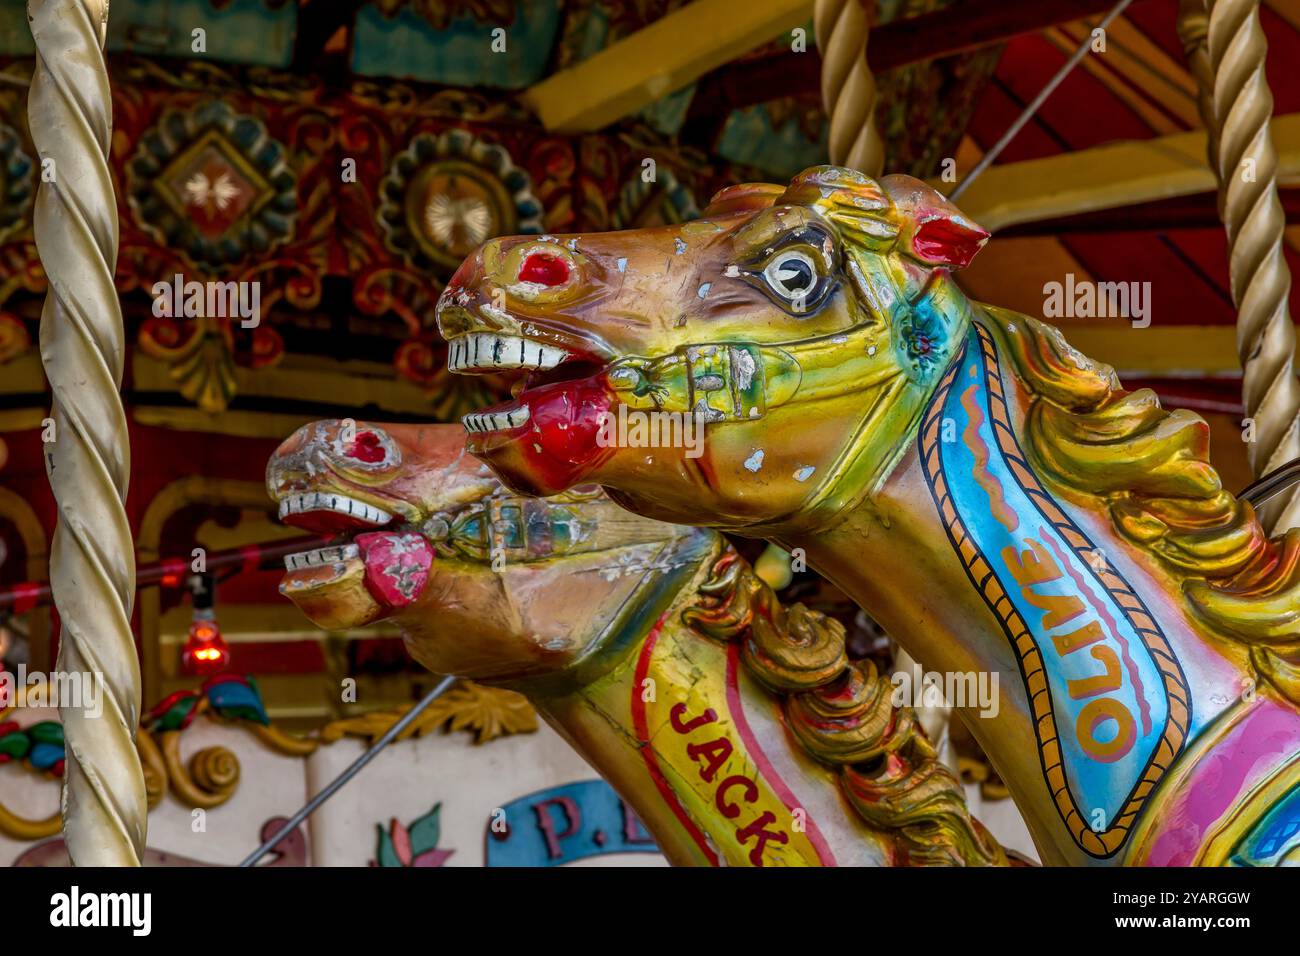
column 737, row 729
column 997, row 501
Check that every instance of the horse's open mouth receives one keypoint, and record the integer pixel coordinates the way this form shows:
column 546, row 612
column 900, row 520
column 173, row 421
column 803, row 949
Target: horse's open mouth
column 548, row 430
column 327, row 512
column 379, row 563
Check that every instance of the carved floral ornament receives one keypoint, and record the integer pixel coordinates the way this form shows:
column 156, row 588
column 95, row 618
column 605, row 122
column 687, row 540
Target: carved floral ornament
column 14, row 338
column 245, row 189
column 17, row 182
column 17, row 189
column 213, row 184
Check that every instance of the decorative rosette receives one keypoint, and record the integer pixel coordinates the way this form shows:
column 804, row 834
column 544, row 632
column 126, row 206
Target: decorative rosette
column 444, row 195
column 213, row 184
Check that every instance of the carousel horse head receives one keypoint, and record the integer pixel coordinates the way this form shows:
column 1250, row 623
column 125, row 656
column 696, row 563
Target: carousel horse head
column 800, row 365
column 516, row 582
column 803, row 327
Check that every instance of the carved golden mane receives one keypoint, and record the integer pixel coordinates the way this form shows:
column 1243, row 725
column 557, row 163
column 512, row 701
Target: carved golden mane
column 1152, row 467
column 842, row 714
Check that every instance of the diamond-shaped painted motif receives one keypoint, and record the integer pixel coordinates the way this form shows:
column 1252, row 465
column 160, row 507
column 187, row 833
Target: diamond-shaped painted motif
column 212, row 186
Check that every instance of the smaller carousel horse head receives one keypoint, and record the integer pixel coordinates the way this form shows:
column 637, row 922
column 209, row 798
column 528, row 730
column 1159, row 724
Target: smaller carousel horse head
column 424, row 525
column 802, row 327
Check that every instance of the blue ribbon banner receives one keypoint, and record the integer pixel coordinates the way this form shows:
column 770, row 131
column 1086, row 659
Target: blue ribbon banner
column 563, row 824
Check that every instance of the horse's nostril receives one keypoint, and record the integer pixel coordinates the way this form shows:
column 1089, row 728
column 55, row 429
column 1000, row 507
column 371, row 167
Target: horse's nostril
column 544, row 269
column 366, row 447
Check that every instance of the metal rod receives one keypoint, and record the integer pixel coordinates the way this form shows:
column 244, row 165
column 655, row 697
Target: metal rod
column 26, row 595
column 1034, row 106
column 337, row 783
column 1272, row 484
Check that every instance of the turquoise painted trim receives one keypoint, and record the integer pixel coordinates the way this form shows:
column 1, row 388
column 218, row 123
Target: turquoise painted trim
column 242, row 31
column 407, row 46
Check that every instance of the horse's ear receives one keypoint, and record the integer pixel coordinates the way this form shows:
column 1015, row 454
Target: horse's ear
column 950, row 241
column 935, row 231
column 746, row 197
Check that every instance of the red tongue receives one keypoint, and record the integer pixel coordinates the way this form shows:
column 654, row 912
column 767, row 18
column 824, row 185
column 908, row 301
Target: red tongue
column 558, row 446
column 397, row 566
column 567, row 417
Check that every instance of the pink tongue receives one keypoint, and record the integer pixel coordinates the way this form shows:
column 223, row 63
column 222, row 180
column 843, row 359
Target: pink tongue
column 397, row 566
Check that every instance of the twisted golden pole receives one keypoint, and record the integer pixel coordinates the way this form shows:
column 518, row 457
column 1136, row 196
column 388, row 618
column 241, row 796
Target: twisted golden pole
column 1194, row 31
column 1226, row 51
column 848, row 88
column 92, row 561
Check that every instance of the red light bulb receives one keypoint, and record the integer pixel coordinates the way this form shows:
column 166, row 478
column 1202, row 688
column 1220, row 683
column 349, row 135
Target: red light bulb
column 205, row 650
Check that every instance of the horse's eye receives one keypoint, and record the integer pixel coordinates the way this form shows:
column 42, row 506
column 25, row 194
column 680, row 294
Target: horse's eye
column 798, row 275
column 792, row 275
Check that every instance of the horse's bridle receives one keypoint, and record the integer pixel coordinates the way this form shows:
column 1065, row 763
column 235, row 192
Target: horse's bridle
column 727, row 382
column 519, row 529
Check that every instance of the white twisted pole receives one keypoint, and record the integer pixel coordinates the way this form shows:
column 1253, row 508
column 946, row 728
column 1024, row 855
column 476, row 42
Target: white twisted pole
column 848, row 88
column 1227, row 51
column 92, row 560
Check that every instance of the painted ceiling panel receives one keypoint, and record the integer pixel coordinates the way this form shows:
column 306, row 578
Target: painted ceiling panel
column 405, row 44
column 1082, row 111
column 255, row 32
column 995, row 114
column 1283, row 61
column 1013, row 272
column 1158, row 19
column 1180, row 293
column 1140, row 88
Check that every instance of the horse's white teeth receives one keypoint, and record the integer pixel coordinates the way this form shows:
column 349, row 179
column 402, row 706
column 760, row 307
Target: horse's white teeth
column 321, row 556
column 487, row 350
column 330, row 501
column 496, row 421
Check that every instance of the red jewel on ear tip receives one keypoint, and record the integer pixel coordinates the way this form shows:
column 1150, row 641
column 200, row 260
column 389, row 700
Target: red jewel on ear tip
column 544, row 269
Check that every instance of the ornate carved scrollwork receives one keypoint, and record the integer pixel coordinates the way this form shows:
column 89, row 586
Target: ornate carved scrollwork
column 842, row 714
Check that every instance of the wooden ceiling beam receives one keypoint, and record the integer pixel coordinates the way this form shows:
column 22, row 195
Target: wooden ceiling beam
column 966, row 25
column 1161, row 351
column 970, row 25
column 659, row 59
column 1158, row 215
column 1114, row 176
column 1288, row 10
